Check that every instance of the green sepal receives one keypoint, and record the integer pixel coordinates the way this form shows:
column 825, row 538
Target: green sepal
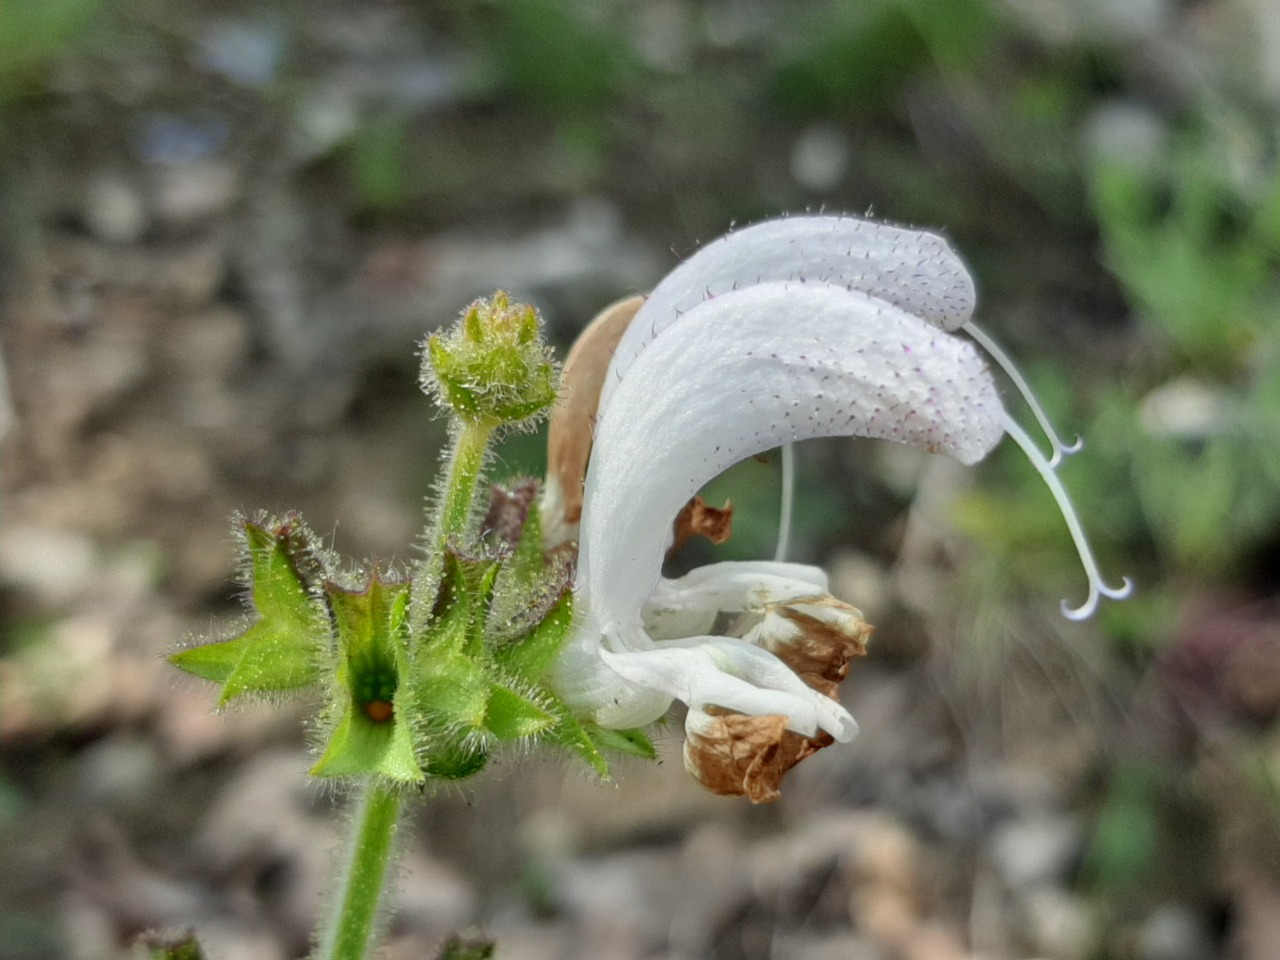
column 512, row 716
column 592, row 742
column 461, row 608
column 361, row 747
column 455, row 392
column 278, row 653
column 634, row 742
column 451, row 690
column 264, row 659
column 529, row 561
column 572, row 734
column 158, row 946
column 371, row 635
column 455, row 759
column 532, row 655
column 373, row 736
column 213, row 661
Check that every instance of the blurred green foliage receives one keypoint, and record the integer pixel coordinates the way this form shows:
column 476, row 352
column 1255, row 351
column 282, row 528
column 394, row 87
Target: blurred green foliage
column 569, row 59
column 33, row 35
column 1126, row 839
column 1194, row 253
column 858, row 55
column 376, row 161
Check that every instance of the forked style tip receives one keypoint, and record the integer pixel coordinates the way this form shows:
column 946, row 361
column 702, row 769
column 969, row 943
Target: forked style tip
column 1097, row 590
column 1097, row 586
column 1057, row 449
column 1062, row 450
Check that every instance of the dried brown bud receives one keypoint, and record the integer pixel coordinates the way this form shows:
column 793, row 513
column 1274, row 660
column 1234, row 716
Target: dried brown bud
column 817, row 637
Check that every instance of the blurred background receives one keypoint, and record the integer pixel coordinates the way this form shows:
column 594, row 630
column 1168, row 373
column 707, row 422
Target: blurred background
column 224, row 228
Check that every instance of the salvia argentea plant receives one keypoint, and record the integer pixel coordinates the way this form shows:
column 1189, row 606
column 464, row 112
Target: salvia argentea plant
column 538, row 613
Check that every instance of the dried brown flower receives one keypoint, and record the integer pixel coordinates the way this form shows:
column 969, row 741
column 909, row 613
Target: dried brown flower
column 733, row 754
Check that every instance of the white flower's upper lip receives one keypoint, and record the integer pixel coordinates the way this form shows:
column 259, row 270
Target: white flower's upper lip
column 915, row 271
column 743, row 373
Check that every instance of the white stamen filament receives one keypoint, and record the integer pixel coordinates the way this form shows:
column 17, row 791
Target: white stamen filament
column 1097, row 586
column 1007, row 365
column 788, row 501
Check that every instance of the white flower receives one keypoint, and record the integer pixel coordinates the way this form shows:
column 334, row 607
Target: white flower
column 791, row 329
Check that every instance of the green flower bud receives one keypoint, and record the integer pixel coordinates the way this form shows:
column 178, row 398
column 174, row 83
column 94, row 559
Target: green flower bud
column 493, row 367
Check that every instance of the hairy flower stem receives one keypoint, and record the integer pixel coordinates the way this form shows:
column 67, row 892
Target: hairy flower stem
column 350, row 931
column 465, row 463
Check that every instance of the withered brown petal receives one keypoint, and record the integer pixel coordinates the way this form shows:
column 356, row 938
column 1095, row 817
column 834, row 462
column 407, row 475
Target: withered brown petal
column 569, row 435
column 699, row 519
column 738, row 755
column 823, row 649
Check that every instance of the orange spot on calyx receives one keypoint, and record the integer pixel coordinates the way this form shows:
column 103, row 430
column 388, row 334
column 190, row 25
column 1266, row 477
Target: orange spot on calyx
column 379, row 711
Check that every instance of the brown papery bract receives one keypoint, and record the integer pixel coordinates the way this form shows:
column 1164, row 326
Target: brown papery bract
column 572, row 425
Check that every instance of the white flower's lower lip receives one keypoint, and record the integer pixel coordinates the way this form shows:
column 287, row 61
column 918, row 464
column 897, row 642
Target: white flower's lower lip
column 733, row 675
column 626, row 678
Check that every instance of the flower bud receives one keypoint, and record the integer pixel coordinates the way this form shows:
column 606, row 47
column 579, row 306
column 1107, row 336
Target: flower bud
column 493, row 367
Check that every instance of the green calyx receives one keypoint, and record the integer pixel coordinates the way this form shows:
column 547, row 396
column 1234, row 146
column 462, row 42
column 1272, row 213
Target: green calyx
column 404, row 705
column 494, row 366
column 373, row 735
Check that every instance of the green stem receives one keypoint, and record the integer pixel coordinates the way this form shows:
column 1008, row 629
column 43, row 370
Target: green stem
column 465, row 463
column 350, row 932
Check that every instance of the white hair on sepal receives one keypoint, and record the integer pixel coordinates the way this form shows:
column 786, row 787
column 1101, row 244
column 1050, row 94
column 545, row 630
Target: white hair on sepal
column 1098, row 587
column 1058, row 449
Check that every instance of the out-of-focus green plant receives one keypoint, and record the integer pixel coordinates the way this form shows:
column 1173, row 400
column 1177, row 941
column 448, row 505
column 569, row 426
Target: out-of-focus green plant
column 1127, row 834
column 1196, row 255
column 854, row 55
column 571, row 61
column 376, row 161
column 32, row 35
